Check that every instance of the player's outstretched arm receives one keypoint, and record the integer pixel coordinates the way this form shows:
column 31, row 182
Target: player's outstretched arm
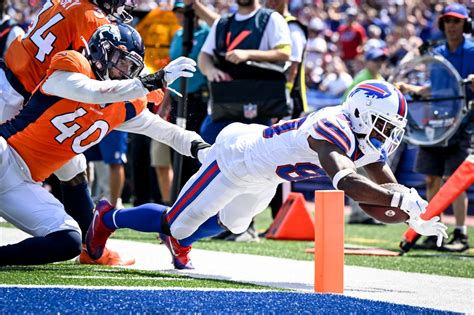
column 79, row 87
column 342, row 170
column 185, row 142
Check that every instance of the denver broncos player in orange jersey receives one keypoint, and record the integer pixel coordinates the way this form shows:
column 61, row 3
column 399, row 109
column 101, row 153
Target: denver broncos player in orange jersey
column 74, row 107
column 58, row 26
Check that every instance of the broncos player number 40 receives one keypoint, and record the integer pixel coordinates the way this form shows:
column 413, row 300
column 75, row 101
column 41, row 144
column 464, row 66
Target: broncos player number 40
column 40, row 36
column 68, row 130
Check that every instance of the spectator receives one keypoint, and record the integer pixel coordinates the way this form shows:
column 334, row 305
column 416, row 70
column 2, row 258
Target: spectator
column 112, row 150
column 351, row 38
column 337, row 80
column 160, row 156
column 197, row 91
column 250, row 40
column 439, row 162
column 374, row 60
column 9, row 28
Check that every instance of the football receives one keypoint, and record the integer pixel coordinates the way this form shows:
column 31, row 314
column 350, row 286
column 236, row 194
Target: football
column 387, row 214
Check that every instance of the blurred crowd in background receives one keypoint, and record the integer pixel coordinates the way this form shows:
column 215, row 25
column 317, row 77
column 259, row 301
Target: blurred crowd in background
column 387, row 30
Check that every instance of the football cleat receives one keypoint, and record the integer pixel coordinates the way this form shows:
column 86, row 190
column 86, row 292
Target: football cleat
column 108, row 258
column 179, row 253
column 98, row 233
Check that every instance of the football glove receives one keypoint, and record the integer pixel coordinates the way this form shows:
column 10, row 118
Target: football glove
column 428, row 228
column 412, row 203
column 180, row 67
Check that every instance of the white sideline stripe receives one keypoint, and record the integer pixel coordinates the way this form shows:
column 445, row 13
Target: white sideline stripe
column 126, row 278
column 119, row 288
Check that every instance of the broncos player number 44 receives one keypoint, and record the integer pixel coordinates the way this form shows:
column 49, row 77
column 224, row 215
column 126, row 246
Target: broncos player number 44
column 40, row 34
column 68, row 130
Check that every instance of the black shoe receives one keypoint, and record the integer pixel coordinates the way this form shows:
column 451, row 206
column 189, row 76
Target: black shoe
column 428, row 243
column 263, row 234
column 222, row 235
column 458, row 243
column 367, row 221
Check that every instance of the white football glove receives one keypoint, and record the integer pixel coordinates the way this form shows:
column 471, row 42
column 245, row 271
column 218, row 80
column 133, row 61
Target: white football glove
column 412, row 203
column 430, row 227
column 180, row 67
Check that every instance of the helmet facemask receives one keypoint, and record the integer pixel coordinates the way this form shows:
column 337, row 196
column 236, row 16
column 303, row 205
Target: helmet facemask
column 122, row 64
column 385, row 134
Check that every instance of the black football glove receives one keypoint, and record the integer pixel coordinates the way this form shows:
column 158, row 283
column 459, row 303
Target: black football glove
column 197, row 145
column 153, row 81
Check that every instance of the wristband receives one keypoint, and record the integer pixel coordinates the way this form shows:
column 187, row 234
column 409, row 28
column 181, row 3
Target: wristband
column 197, row 145
column 339, row 175
column 396, row 200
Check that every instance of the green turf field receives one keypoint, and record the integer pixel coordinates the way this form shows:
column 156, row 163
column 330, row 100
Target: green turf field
column 387, row 237
column 71, row 274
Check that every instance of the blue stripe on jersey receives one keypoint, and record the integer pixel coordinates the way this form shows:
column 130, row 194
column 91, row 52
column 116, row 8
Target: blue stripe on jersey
column 36, row 106
column 130, row 111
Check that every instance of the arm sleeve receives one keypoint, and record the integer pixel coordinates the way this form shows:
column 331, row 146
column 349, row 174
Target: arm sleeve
column 298, row 42
column 276, row 34
column 210, row 43
column 80, row 88
column 160, row 130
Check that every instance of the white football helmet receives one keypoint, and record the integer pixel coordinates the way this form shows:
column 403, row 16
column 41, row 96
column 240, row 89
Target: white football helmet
column 377, row 111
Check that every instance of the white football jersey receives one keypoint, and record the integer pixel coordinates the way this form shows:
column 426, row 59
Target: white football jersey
column 256, row 153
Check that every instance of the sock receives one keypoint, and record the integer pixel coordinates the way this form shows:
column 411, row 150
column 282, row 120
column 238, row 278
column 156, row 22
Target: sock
column 78, row 204
column 57, row 246
column 209, row 228
column 144, row 218
column 462, row 228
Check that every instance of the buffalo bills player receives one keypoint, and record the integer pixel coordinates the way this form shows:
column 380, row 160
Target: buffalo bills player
column 242, row 169
column 78, row 102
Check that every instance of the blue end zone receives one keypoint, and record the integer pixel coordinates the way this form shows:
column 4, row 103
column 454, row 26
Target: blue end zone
column 73, row 300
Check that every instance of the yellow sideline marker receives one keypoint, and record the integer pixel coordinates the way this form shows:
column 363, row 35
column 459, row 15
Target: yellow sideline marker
column 329, row 241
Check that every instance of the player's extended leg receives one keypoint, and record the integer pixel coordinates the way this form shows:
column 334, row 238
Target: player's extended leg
column 193, row 216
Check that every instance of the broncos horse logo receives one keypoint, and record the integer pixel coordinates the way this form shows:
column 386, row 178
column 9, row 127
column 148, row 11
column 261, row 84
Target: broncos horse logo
column 374, row 90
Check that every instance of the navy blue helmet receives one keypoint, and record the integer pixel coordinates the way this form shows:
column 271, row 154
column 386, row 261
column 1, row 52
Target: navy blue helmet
column 116, row 51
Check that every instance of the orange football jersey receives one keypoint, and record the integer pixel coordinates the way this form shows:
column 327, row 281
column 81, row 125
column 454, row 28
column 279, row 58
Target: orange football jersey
column 57, row 27
column 50, row 130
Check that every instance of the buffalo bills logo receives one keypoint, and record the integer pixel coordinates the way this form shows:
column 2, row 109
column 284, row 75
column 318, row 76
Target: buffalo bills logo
column 374, row 90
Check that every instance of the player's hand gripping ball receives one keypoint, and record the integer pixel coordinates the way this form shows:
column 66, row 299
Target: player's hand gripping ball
column 387, row 214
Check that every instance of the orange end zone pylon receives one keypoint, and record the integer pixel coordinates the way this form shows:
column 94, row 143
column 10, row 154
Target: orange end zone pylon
column 329, row 241
column 293, row 221
column 461, row 179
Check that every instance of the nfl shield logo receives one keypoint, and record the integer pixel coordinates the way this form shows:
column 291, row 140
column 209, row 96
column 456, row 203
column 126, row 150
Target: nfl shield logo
column 250, row 111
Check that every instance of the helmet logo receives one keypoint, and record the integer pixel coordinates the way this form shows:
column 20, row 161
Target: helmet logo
column 374, row 90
